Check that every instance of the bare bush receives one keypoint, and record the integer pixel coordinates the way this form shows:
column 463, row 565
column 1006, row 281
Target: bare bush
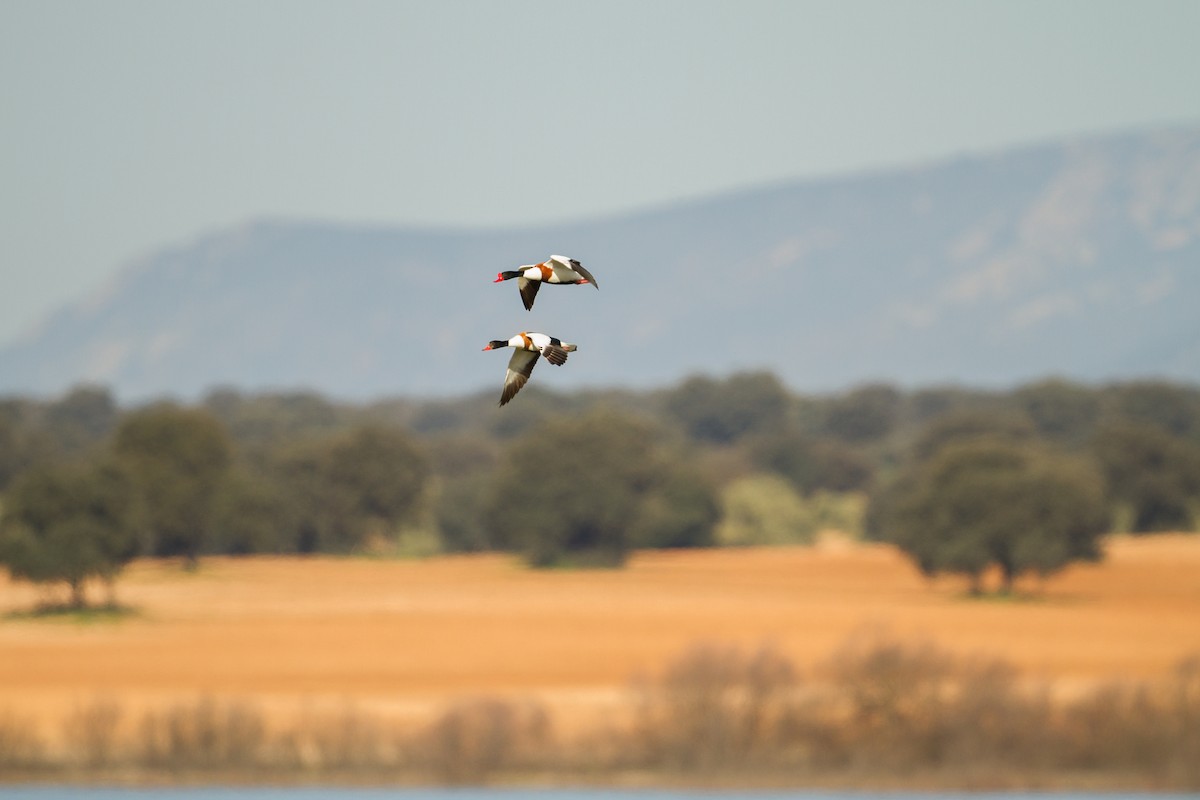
column 475, row 738
column 991, row 721
column 206, row 734
column 348, row 739
column 715, row 707
column 888, row 708
column 1146, row 727
column 896, row 695
column 91, row 732
column 20, row 746
column 1116, row 725
column 910, row 705
column 1183, row 696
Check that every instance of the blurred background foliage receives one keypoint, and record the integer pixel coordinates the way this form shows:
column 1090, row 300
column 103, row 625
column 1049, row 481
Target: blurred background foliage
column 963, row 480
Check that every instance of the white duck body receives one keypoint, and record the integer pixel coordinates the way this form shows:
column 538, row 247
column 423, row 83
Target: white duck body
column 564, row 269
column 559, row 270
column 527, row 348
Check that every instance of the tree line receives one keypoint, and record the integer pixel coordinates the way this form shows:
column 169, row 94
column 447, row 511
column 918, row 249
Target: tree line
column 963, row 480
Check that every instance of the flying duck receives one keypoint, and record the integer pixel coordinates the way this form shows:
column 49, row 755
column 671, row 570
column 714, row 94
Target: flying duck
column 555, row 269
column 528, row 347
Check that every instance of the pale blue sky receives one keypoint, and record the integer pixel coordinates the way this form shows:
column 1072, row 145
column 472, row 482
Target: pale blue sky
column 129, row 126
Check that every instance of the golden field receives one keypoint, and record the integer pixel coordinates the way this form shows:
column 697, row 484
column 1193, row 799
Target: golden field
column 404, row 637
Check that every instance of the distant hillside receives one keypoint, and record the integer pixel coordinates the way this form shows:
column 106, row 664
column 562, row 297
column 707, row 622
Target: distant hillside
column 1079, row 259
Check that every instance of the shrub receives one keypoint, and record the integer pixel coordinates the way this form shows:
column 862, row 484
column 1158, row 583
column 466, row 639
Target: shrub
column 896, row 696
column 715, row 707
column 474, row 738
column 764, row 510
column 205, row 734
column 349, row 738
column 91, row 732
column 20, row 746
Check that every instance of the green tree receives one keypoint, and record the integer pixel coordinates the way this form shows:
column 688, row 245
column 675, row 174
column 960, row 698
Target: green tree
column 812, row 464
column 925, row 405
column 81, row 419
column 1062, row 411
column 764, row 510
column 724, row 411
column 866, row 414
column 1172, row 407
column 10, row 460
column 969, row 424
column 1153, row 473
column 349, row 487
column 384, row 468
column 462, row 514
column 267, row 420
column 986, row 502
column 571, row 491
column 24, row 441
column 250, row 515
column 680, row 509
column 68, row 523
column 463, row 466
column 178, row 458
column 321, row 514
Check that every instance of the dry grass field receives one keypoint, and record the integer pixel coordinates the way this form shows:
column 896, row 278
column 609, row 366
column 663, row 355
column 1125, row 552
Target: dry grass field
column 405, row 637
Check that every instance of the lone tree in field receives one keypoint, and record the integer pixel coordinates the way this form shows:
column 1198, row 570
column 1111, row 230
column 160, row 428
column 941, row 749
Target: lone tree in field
column 69, row 523
column 983, row 503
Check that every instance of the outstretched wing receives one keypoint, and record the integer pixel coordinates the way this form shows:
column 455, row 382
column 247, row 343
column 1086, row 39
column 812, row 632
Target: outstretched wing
column 555, row 354
column 520, row 367
column 582, row 270
column 576, row 267
column 528, row 290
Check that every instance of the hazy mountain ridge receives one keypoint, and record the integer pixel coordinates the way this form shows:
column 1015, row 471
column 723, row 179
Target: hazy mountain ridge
column 1079, row 259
